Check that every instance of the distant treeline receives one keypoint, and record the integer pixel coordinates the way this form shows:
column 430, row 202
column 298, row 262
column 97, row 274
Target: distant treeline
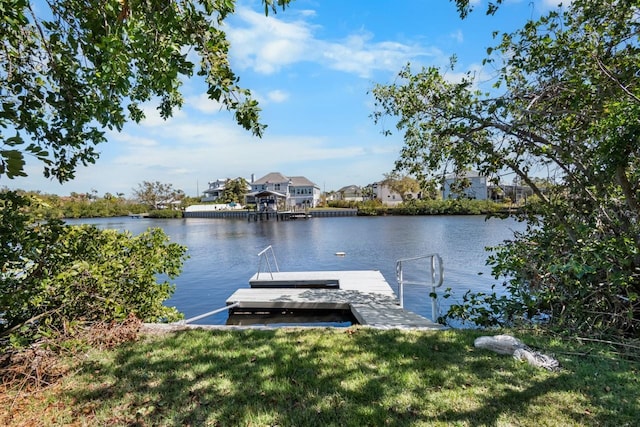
column 428, row 207
column 92, row 206
column 85, row 206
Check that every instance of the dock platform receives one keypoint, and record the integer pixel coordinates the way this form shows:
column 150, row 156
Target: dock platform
column 365, row 293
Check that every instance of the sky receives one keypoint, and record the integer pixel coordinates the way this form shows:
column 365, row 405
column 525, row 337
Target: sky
column 312, row 68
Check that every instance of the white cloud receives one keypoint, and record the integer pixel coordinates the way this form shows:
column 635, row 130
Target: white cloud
column 152, row 115
column 184, row 152
column 266, row 44
column 133, row 140
column 358, row 55
column 203, row 104
column 277, row 96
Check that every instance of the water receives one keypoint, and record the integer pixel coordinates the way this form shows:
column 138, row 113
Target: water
column 223, row 252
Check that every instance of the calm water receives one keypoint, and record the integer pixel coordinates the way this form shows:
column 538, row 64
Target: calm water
column 223, row 252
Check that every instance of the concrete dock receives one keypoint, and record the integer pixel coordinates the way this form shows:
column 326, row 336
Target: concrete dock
column 365, row 293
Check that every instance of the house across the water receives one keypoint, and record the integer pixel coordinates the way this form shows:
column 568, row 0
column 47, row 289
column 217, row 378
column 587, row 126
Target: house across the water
column 469, row 185
column 276, row 191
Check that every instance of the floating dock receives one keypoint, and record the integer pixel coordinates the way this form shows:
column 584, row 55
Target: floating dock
column 365, row 293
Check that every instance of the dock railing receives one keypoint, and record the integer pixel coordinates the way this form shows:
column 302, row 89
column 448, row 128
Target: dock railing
column 436, row 279
column 266, row 260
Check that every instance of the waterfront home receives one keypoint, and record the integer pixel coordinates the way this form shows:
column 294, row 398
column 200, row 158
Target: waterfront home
column 216, row 190
column 385, row 194
column 473, row 186
column 276, row 191
column 351, row 193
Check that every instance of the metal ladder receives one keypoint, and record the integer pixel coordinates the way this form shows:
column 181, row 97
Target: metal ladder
column 437, row 276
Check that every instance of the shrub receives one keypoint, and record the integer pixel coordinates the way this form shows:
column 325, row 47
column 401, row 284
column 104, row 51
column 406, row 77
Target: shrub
column 54, row 275
column 165, row 213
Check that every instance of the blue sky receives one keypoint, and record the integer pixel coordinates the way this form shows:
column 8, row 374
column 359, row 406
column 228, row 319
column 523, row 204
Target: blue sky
column 311, row 67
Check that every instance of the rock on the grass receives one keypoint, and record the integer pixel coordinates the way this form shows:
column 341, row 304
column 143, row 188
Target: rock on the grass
column 506, row 344
column 501, row 344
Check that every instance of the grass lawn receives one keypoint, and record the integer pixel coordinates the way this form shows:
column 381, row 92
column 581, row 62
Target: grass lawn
column 340, row 377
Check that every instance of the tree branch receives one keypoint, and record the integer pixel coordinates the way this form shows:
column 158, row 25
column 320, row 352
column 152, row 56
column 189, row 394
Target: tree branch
column 613, row 78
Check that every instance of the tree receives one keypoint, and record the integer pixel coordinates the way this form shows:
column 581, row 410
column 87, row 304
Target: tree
column 157, row 195
column 367, row 193
column 566, row 97
column 404, row 185
column 234, row 191
column 70, row 69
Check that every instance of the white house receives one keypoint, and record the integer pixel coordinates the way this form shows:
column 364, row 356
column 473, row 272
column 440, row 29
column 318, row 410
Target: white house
column 303, row 193
column 476, row 190
column 215, row 190
column 385, row 194
column 276, row 191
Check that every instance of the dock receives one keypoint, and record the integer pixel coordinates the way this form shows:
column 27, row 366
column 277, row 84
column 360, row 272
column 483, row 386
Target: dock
column 277, row 215
column 203, row 211
column 365, row 293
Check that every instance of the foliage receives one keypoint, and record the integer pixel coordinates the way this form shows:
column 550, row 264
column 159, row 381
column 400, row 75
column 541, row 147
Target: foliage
column 368, row 193
column 187, row 201
column 165, row 213
column 335, row 377
column 429, row 207
column 466, row 6
column 70, row 69
column 80, row 205
column 405, row 186
column 234, row 191
column 99, row 208
column 157, row 195
column 54, row 276
column 448, row 207
column 342, row 204
column 566, row 97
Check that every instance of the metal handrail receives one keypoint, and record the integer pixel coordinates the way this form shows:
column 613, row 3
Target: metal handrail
column 264, row 255
column 211, row 313
column 437, row 277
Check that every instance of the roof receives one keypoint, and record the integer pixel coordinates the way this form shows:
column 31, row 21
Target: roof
column 350, row 189
column 271, row 177
column 301, row 181
column 277, row 177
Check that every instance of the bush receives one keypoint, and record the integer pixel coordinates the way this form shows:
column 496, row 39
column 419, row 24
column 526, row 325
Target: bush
column 165, row 213
column 446, row 207
column 581, row 283
column 54, row 276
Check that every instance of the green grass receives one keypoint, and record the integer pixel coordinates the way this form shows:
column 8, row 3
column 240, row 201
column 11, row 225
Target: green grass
column 337, row 377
